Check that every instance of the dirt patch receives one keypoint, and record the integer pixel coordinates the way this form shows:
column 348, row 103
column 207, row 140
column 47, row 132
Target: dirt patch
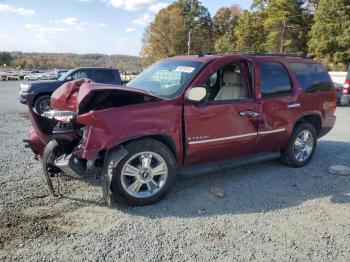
column 34, row 222
column 16, row 225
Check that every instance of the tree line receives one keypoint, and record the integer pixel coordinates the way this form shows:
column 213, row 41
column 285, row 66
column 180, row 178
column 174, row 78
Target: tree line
column 318, row 28
column 67, row 61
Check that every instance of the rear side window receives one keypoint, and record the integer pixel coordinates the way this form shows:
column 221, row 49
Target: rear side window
column 274, row 79
column 312, row 77
column 103, row 76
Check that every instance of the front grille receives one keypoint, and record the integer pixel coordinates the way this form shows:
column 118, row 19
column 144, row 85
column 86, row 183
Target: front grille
column 62, row 128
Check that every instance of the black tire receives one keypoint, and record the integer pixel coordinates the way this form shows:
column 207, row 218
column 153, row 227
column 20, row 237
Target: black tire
column 133, row 148
column 51, row 151
column 40, row 102
column 288, row 156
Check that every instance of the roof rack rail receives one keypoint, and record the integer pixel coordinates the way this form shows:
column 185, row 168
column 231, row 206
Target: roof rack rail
column 224, row 53
column 278, row 54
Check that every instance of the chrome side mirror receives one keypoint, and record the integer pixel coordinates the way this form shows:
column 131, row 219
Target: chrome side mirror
column 196, row 94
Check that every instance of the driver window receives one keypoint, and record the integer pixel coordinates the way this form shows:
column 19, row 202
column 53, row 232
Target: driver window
column 227, row 84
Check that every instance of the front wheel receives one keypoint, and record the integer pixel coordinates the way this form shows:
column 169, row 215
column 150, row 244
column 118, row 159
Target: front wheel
column 301, row 146
column 42, row 104
column 145, row 175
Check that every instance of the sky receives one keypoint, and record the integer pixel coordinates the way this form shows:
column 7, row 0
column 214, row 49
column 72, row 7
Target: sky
column 83, row 26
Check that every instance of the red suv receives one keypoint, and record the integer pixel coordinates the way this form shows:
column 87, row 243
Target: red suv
column 183, row 115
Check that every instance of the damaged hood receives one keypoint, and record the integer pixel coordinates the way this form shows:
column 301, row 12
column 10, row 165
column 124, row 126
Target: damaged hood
column 74, row 95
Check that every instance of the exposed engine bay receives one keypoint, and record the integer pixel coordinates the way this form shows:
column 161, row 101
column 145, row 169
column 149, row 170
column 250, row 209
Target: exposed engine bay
column 110, row 99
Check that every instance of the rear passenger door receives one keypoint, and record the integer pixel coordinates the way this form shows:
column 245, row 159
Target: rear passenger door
column 279, row 104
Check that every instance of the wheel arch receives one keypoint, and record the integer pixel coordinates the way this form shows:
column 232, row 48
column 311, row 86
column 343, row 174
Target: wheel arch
column 312, row 118
column 40, row 95
column 165, row 139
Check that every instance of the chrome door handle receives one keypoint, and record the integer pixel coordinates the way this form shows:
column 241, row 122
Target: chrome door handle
column 294, row 105
column 249, row 113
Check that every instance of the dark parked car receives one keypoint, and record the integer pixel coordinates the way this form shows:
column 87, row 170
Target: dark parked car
column 339, row 89
column 184, row 115
column 345, row 100
column 38, row 94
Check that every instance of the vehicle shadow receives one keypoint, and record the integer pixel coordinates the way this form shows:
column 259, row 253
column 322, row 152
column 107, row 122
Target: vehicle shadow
column 256, row 188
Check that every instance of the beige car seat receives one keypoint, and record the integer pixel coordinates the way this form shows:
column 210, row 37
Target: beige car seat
column 232, row 88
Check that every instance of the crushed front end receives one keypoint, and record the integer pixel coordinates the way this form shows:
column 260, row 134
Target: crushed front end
column 73, row 137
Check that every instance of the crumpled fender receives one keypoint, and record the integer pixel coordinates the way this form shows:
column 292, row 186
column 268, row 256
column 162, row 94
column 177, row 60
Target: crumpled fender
column 44, row 139
column 111, row 160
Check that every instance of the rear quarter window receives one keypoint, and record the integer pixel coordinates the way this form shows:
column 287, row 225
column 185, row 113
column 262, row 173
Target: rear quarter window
column 312, row 77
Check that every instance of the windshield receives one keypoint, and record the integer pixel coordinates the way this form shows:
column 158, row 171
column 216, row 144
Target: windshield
column 166, row 78
column 65, row 75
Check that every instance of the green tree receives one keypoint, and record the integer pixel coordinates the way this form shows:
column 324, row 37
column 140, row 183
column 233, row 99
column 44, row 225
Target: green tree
column 330, row 34
column 225, row 44
column 5, row 58
column 198, row 21
column 166, row 36
column 286, row 23
column 224, row 24
column 250, row 34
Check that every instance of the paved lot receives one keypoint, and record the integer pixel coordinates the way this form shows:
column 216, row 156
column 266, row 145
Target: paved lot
column 270, row 212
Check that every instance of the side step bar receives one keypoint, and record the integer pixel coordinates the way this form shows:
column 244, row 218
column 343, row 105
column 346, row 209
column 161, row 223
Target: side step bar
column 227, row 164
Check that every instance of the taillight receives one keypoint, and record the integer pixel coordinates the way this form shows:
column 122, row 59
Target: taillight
column 346, row 87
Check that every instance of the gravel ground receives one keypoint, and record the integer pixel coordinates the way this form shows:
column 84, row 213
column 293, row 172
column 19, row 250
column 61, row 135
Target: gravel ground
column 269, row 212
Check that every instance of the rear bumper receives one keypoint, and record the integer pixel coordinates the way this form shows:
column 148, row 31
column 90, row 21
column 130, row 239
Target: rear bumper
column 327, row 125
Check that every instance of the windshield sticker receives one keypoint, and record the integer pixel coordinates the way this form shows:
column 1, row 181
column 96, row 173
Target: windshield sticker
column 185, row 69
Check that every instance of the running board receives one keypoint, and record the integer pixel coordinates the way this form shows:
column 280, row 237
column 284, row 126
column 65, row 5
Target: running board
column 204, row 169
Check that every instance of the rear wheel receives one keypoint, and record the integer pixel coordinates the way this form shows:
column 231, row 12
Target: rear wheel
column 145, row 174
column 42, row 104
column 301, row 146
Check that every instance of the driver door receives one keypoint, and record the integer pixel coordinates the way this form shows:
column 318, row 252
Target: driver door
column 222, row 127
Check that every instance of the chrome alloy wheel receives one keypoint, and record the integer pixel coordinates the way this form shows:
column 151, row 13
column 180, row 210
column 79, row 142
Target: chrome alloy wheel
column 303, row 146
column 144, row 175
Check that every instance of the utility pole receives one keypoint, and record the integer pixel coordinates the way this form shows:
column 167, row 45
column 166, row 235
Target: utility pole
column 189, row 41
column 194, row 25
column 283, row 36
